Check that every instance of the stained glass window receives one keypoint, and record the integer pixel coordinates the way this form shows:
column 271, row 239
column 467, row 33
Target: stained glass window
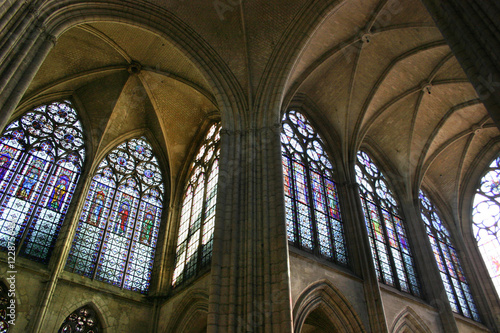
column 82, row 320
column 389, row 245
column 486, row 220
column 452, row 275
column 194, row 245
column 41, row 155
column 312, row 205
column 5, row 312
column 116, row 237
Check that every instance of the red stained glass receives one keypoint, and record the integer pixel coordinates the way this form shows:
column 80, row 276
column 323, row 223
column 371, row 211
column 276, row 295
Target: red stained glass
column 312, row 207
column 447, row 260
column 385, row 227
column 116, row 236
column 38, row 174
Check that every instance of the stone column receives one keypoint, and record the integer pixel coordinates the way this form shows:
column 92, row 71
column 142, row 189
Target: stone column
column 31, row 58
column 364, row 259
column 16, row 36
column 430, row 278
column 8, row 9
column 472, row 30
column 250, row 271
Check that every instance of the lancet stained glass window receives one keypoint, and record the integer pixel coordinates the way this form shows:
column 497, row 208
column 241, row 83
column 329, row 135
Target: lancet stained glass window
column 452, row 275
column 116, row 237
column 194, row 245
column 312, row 205
column 391, row 253
column 486, row 220
column 41, row 155
column 82, row 320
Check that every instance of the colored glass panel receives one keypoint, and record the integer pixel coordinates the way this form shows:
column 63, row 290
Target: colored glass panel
column 82, row 320
column 447, row 260
column 116, row 236
column 196, row 226
column 389, row 245
column 312, row 207
column 39, row 169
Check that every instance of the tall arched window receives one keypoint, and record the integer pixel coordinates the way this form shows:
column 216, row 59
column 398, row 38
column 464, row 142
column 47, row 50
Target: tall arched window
column 486, row 220
column 455, row 284
column 388, row 242
column 116, row 237
column 196, row 227
column 41, row 155
column 311, row 201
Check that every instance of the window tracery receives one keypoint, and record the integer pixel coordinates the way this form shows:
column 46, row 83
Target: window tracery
column 486, row 218
column 312, row 207
column 41, row 155
column 452, row 275
column 116, row 236
column 195, row 237
column 82, row 320
column 394, row 263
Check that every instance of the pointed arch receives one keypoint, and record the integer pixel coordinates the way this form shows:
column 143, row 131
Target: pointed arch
column 486, row 220
column 116, row 236
column 322, row 296
column 196, row 227
column 191, row 315
column 450, row 269
column 392, row 257
column 312, row 207
column 85, row 319
column 41, row 157
column 408, row 321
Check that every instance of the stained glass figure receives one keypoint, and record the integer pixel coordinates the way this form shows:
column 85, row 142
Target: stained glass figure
column 486, row 220
column 39, row 170
column 389, row 245
column 82, row 320
column 456, row 286
column 4, row 311
column 312, row 205
column 194, row 244
column 116, row 237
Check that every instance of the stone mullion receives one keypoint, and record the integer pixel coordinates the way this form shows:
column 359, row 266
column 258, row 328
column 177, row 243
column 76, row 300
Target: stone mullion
column 474, row 39
column 249, row 274
column 373, row 296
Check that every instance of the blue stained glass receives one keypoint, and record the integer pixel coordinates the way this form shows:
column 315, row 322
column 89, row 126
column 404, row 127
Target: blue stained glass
column 38, row 175
column 385, row 227
column 311, row 202
column 447, row 260
column 116, row 235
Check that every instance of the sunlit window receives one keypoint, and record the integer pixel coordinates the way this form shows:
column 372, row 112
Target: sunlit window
column 389, row 245
column 41, row 155
column 312, row 207
column 194, row 244
column 486, row 217
column 116, row 236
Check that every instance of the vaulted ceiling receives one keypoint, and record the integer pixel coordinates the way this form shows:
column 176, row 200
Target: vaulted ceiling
column 375, row 71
